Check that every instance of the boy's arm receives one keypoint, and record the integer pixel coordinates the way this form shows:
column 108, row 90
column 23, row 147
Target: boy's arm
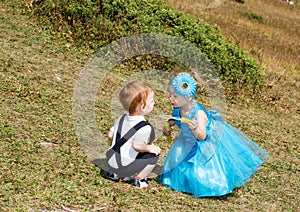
column 143, row 147
column 112, row 130
column 110, row 135
column 140, row 141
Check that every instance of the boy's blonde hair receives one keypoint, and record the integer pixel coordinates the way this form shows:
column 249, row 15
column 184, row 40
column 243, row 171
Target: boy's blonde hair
column 134, row 94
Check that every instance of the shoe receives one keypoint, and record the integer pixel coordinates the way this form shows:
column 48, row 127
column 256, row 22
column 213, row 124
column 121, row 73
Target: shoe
column 116, row 178
column 112, row 176
column 141, row 183
column 126, row 179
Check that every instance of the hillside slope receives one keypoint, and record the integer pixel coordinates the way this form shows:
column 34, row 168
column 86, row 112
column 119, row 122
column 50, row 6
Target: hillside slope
column 44, row 167
column 270, row 31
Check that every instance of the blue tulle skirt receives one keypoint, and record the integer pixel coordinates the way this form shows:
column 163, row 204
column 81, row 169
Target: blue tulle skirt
column 226, row 159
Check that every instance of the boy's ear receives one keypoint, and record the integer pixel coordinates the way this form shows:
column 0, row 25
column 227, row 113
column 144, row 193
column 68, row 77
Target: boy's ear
column 143, row 106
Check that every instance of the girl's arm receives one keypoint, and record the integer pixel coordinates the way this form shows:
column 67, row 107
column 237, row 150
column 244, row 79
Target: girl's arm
column 198, row 125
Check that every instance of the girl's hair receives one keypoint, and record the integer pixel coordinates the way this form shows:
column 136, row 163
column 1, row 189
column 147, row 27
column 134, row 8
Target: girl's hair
column 198, row 80
column 134, row 94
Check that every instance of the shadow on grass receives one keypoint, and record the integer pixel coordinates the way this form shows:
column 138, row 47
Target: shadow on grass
column 102, row 164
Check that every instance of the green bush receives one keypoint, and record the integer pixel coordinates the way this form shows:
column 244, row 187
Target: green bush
column 99, row 22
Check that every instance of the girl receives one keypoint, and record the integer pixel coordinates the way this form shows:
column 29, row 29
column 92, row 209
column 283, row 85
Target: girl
column 132, row 151
column 209, row 157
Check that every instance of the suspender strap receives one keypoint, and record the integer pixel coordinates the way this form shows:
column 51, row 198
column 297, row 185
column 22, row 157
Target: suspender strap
column 152, row 134
column 120, row 141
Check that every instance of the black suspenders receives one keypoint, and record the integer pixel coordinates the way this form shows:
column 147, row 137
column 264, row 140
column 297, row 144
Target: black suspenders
column 121, row 141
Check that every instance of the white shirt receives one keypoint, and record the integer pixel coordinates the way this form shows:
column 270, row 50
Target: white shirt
column 128, row 154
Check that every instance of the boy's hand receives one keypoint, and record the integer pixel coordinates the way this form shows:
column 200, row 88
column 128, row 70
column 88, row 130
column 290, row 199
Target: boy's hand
column 154, row 149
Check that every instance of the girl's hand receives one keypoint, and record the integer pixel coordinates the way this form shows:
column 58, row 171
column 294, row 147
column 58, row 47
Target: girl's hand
column 167, row 129
column 193, row 124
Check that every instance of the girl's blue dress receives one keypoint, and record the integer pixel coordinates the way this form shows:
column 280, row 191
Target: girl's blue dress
column 226, row 159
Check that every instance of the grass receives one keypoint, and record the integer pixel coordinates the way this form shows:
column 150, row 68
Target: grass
column 38, row 72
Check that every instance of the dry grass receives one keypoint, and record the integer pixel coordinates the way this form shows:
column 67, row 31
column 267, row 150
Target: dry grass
column 275, row 36
column 38, row 72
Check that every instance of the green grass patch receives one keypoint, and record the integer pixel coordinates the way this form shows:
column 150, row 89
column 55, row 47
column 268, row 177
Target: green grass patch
column 38, row 70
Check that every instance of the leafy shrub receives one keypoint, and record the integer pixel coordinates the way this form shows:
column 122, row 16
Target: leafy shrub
column 99, row 22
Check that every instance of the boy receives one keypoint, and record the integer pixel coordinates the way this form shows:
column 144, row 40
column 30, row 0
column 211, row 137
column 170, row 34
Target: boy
column 132, row 151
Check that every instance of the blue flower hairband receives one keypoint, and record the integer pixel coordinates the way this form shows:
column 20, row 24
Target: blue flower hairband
column 184, row 85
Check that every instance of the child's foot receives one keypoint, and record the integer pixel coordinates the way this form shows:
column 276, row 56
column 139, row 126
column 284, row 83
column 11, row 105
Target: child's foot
column 116, row 178
column 126, row 179
column 141, row 183
column 112, row 176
